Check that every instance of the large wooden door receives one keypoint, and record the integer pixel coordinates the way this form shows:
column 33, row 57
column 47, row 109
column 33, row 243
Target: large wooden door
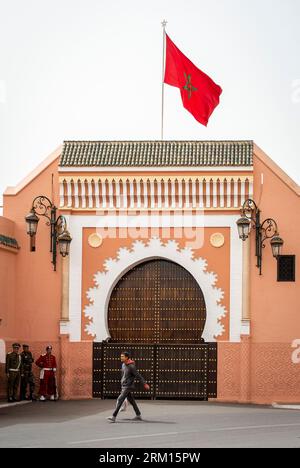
column 157, row 301
column 172, row 371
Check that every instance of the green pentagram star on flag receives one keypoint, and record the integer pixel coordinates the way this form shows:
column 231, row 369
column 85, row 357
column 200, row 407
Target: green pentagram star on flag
column 188, row 86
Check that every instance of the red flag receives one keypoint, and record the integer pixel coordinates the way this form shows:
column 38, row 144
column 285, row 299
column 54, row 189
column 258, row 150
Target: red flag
column 199, row 94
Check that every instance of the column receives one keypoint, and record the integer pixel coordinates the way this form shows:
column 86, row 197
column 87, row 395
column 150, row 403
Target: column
column 83, row 200
column 166, row 193
column 207, row 187
column 61, row 194
column 103, row 192
column 69, row 193
column 159, row 193
column 187, row 193
column 236, row 193
column 138, row 193
column 228, row 192
column 201, row 200
column 76, row 197
column 215, row 201
column 222, row 193
column 180, row 193
column 90, row 193
column 110, row 194
column 96, row 182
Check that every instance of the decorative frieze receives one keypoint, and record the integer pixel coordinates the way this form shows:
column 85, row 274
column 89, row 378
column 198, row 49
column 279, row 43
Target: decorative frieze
column 187, row 192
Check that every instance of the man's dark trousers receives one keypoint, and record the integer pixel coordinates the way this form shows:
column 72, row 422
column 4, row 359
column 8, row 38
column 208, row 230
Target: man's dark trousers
column 126, row 393
column 27, row 379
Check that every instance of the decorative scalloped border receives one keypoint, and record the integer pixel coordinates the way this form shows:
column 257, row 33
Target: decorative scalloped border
column 140, row 251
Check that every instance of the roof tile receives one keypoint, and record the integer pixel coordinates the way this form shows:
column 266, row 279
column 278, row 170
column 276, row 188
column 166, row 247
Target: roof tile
column 156, row 153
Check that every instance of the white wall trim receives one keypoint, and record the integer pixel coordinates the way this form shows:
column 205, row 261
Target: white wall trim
column 115, row 268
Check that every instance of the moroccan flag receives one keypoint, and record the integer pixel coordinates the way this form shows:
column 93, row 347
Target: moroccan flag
column 199, row 94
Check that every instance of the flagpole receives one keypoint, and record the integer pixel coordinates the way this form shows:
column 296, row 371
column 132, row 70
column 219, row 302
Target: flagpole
column 164, row 23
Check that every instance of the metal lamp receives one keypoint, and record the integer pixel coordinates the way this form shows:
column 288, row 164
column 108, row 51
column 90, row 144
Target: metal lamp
column 264, row 230
column 59, row 235
column 276, row 245
column 243, row 225
column 32, row 223
column 64, row 240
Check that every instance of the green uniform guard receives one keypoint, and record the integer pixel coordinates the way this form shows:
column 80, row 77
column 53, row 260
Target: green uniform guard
column 27, row 377
column 13, row 371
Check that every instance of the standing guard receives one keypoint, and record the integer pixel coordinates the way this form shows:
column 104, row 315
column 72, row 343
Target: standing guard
column 27, row 377
column 47, row 363
column 13, row 370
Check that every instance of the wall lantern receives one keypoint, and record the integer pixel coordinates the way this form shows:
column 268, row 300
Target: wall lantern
column 59, row 235
column 263, row 230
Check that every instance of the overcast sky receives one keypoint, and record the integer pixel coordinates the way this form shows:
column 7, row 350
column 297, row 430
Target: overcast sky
column 91, row 69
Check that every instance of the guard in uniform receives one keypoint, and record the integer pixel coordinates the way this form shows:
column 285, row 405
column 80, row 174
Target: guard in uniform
column 26, row 374
column 13, row 371
column 47, row 363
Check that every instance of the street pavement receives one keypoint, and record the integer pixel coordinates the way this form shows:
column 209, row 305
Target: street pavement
column 166, row 424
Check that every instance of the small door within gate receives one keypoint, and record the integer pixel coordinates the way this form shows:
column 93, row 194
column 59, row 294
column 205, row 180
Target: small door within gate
column 172, row 371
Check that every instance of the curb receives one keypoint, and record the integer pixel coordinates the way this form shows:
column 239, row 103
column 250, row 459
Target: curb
column 16, row 403
column 287, row 407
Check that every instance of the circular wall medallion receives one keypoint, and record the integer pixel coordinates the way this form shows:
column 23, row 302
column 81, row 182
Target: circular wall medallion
column 217, row 239
column 95, row 240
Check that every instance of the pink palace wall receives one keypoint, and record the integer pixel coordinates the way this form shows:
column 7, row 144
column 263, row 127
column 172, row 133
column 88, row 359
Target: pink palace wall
column 257, row 370
column 37, row 288
column 260, row 369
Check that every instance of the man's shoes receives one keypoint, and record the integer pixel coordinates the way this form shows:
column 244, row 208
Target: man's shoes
column 52, row 398
column 137, row 418
column 42, row 398
column 10, row 400
column 111, row 419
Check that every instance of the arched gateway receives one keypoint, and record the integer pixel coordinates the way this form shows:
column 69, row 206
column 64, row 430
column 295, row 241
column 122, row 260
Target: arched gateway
column 157, row 311
column 157, row 301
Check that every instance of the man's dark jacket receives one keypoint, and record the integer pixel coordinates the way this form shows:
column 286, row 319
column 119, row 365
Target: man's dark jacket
column 129, row 373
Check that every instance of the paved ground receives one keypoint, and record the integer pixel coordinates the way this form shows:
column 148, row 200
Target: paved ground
column 166, row 424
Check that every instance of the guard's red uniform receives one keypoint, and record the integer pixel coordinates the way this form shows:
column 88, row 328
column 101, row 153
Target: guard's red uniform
column 47, row 363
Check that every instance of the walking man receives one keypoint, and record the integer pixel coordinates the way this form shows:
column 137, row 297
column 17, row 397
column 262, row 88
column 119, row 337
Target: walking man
column 12, row 369
column 129, row 373
column 26, row 374
column 47, row 363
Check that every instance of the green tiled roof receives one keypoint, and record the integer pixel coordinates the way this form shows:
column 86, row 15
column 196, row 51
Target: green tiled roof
column 8, row 241
column 156, row 153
